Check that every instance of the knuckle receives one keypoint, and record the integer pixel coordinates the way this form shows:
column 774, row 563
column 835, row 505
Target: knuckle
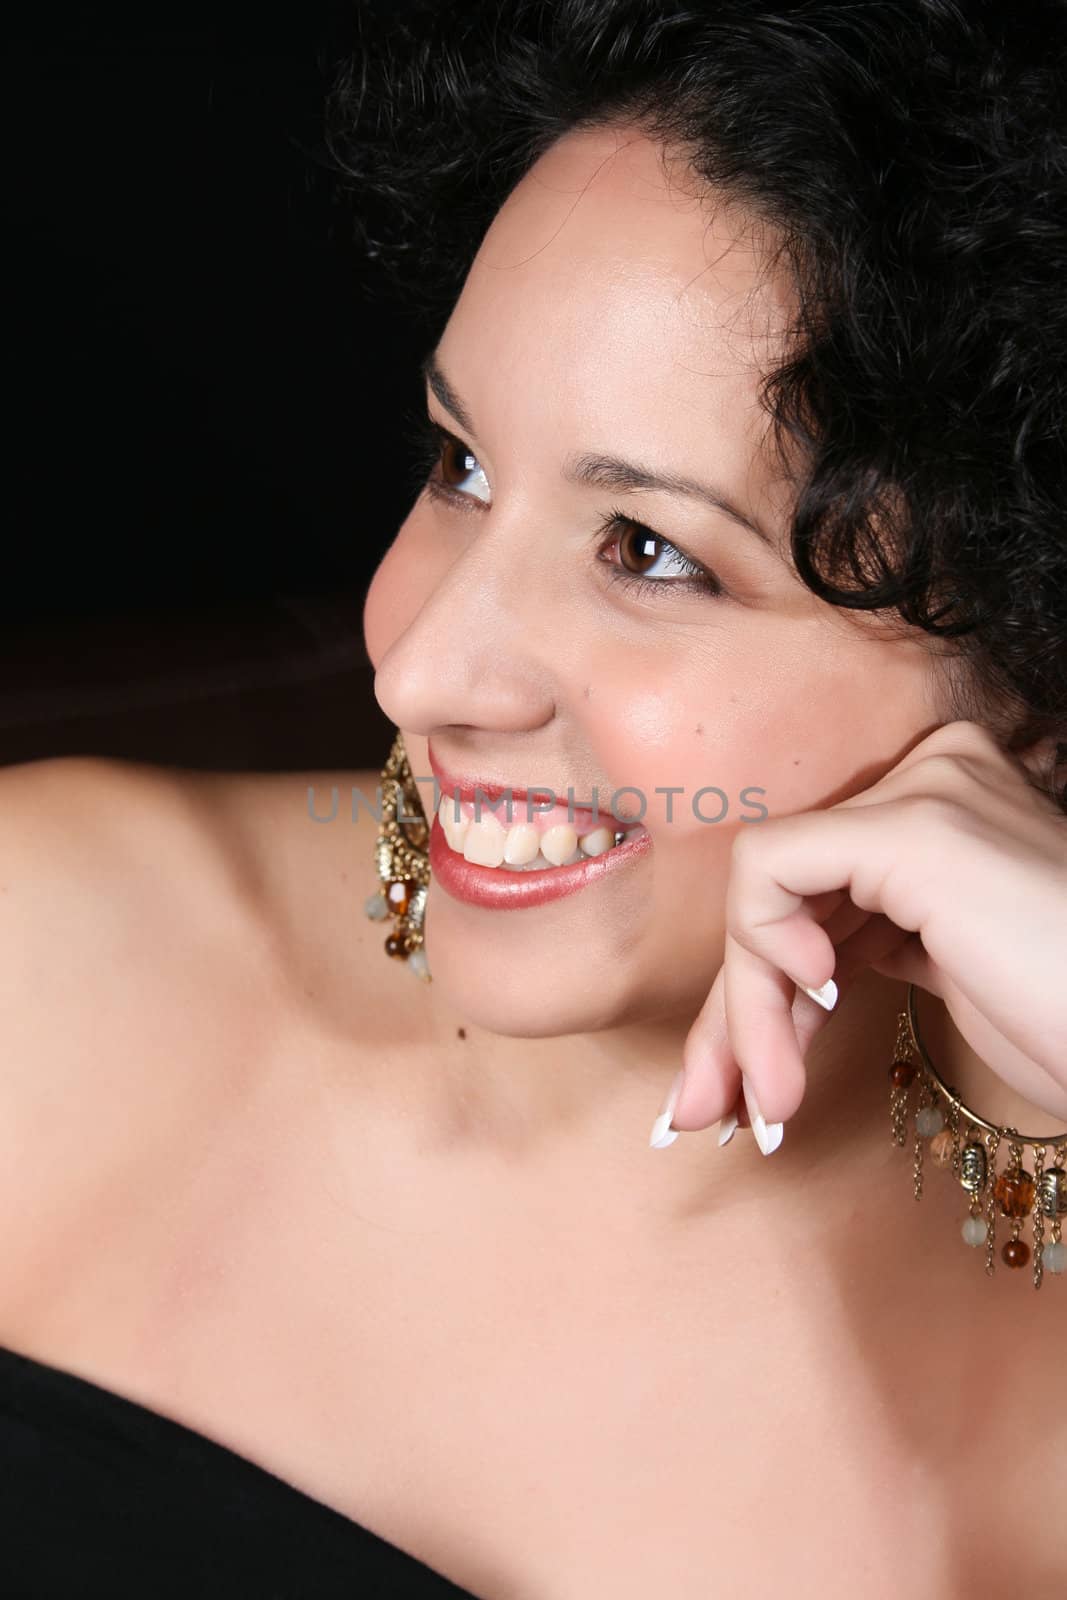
column 963, row 739
column 932, row 812
column 940, row 771
column 745, row 846
column 962, row 731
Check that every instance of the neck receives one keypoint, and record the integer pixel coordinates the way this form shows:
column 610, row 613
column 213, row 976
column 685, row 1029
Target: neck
column 576, row 1111
column 587, row 1101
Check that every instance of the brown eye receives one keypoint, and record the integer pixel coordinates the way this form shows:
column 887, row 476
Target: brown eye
column 455, row 457
column 640, row 548
column 644, row 557
column 450, row 463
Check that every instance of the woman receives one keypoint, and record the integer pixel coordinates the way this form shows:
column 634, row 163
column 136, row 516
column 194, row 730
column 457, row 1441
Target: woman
column 322, row 1279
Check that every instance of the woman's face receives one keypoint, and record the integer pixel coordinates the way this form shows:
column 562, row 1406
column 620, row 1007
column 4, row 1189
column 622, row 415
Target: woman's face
column 530, row 645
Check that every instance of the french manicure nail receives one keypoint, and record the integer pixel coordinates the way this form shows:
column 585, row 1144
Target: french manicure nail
column 727, row 1128
column 769, row 1135
column 662, row 1132
column 826, row 995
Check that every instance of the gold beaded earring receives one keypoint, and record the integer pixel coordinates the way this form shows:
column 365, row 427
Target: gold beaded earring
column 1014, row 1193
column 401, row 855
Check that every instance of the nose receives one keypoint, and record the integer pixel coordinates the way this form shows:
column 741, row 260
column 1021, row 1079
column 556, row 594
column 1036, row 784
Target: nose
column 475, row 651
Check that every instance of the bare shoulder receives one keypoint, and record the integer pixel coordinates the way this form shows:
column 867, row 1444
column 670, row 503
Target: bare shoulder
column 131, row 970
column 99, row 857
column 155, row 920
column 298, row 849
column 155, row 926
column 139, row 859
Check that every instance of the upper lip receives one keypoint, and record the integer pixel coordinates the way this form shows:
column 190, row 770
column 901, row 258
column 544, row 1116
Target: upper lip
column 491, row 790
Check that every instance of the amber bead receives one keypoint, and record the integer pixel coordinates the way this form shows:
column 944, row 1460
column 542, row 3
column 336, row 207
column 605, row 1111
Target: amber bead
column 398, row 896
column 1015, row 1253
column 940, row 1148
column 397, row 946
column 902, row 1073
column 1014, row 1191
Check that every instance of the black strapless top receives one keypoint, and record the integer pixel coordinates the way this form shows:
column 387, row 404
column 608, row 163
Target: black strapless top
column 100, row 1496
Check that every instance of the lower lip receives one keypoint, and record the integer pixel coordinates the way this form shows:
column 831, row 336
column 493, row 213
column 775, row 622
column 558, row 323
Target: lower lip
column 497, row 889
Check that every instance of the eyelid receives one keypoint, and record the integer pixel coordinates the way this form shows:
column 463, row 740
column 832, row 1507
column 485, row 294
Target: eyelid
column 441, row 429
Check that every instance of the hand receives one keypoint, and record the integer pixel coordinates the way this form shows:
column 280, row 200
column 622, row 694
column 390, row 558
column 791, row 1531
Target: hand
column 950, row 873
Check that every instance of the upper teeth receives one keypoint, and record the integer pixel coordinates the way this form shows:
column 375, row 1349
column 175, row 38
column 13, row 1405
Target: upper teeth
column 487, row 843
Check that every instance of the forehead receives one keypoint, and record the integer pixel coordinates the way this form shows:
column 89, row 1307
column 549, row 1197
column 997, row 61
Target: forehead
column 639, row 308
column 611, row 233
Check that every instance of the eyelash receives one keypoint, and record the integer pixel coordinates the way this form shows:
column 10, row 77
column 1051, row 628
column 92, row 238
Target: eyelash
column 429, row 440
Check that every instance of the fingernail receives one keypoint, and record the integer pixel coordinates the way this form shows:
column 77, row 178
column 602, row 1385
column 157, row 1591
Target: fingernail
column 769, row 1135
column 727, row 1128
column 662, row 1132
column 826, row 995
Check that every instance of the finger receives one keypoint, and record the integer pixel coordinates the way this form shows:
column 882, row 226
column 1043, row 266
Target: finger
column 711, row 1089
column 823, row 907
column 875, row 941
column 714, row 1072
column 944, row 755
column 809, row 1018
column 773, row 903
column 841, row 927
column 774, row 872
column 712, row 1078
column 879, row 944
column 775, row 949
column 843, row 923
column 712, row 1075
column 759, row 998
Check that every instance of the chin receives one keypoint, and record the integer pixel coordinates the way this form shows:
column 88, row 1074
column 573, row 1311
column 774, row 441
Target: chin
column 560, row 995
column 556, row 998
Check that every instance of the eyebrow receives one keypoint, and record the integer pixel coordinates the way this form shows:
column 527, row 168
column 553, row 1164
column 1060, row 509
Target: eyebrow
column 604, row 471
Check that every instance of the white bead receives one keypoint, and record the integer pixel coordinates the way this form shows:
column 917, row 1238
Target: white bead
column 929, row 1121
column 1054, row 1256
column 418, row 963
column 974, row 1231
column 375, row 907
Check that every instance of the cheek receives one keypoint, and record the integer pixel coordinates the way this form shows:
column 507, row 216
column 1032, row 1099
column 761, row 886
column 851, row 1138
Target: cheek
column 646, row 740
column 674, row 734
column 695, row 716
column 786, row 729
column 832, row 722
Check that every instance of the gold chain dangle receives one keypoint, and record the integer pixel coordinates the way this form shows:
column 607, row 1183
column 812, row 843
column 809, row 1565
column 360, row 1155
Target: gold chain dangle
column 971, row 1154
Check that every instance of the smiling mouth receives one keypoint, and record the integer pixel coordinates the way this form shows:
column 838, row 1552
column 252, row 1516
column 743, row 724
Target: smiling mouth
column 484, row 841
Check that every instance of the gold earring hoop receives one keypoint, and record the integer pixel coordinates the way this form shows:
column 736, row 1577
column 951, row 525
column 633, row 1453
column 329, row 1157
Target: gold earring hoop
column 971, row 1154
column 401, row 855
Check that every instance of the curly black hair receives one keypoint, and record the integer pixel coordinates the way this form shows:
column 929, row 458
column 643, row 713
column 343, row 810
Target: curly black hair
column 910, row 157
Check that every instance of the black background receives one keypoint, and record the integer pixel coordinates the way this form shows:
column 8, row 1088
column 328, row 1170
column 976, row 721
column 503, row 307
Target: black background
column 206, row 445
